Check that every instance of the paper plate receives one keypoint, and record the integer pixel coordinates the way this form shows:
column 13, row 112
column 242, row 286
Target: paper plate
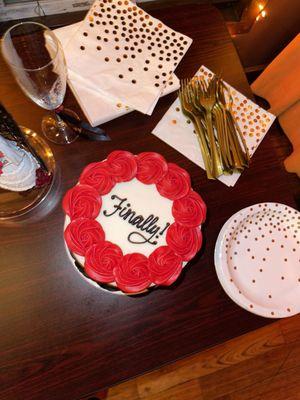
column 257, row 259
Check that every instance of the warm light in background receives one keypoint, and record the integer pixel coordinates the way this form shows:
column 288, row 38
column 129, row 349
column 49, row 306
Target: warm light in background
column 262, row 12
column 257, row 12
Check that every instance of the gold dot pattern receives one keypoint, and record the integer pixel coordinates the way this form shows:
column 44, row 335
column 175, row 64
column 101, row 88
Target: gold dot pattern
column 253, row 121
column 138, row 36
column 264, row 267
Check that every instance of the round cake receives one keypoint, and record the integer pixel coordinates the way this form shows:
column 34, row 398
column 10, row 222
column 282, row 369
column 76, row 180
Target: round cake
column 133, row 221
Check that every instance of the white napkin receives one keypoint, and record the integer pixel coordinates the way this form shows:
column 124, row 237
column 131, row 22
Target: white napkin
column 98, row 108
column 19, row 167
column 178, row 132
column 124, row 52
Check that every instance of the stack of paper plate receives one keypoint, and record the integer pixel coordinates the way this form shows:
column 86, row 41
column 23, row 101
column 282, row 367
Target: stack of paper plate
column 257, row 258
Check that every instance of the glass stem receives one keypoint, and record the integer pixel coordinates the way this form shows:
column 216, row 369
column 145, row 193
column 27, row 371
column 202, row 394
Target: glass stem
column 60, row 123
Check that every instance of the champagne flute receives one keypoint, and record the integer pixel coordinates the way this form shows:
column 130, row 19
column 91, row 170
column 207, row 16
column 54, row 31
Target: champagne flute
column 37, row 62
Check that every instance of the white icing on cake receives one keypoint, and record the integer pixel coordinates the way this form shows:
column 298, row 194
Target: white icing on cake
column 19, row 167
column 144, row 200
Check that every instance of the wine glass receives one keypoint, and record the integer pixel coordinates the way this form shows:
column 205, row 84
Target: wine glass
column 37, row 62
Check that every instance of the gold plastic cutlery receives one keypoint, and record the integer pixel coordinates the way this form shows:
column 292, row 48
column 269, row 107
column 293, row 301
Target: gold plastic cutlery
column 209, row 106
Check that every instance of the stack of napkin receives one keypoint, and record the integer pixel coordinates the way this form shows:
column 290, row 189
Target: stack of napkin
column 120, row 59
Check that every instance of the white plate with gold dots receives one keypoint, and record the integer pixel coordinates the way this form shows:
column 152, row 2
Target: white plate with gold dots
column 257, row 259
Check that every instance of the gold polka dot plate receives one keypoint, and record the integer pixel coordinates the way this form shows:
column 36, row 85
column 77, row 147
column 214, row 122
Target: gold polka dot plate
column 257, row 259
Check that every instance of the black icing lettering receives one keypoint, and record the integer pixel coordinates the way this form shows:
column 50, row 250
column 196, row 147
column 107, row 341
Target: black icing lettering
column 135, row 221
column 117, row 207
column 165, row 228
column 153, row 229
column 139, row 238
column 129, row 213
column 147, row 225
column 147, row 221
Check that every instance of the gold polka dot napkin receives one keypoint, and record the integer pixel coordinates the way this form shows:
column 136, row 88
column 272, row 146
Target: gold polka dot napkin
column 97, row 107
column 176, row 130
column 126, row 53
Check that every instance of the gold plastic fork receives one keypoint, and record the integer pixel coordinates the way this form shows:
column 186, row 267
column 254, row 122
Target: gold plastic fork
column 222, row 144
column 189, row 111
column 240, row 157
column 229, row 154
column 234, row 124
column 207, row 99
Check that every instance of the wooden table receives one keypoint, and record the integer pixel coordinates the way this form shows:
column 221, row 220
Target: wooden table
column 63, row 339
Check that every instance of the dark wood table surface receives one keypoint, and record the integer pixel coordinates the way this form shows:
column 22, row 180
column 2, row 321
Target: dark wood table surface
column 62, row 339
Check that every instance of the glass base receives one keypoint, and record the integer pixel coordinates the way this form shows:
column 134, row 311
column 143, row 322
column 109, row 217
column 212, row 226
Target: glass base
column 57, row 131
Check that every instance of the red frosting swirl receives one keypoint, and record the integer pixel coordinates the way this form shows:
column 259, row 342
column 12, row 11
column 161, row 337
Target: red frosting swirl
column 132, row 276
column 185, row 242
column 82, row 201
column 190, row 210
column 151, row 167
column 82, row 233
column 98, row 175
column 100, row 261
column 175, row 184
column 164, row 266
column 122, row 165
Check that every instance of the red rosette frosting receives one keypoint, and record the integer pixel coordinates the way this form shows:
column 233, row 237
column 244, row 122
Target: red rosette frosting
column 151, row 167
column 190, row 210
column 122, row 165
column 132, row 276
column 164, row 266
column 98, row 175
column 175, row 184
column 82, row 201
column 184, row 241
column 82, row 233
column 100, row 261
